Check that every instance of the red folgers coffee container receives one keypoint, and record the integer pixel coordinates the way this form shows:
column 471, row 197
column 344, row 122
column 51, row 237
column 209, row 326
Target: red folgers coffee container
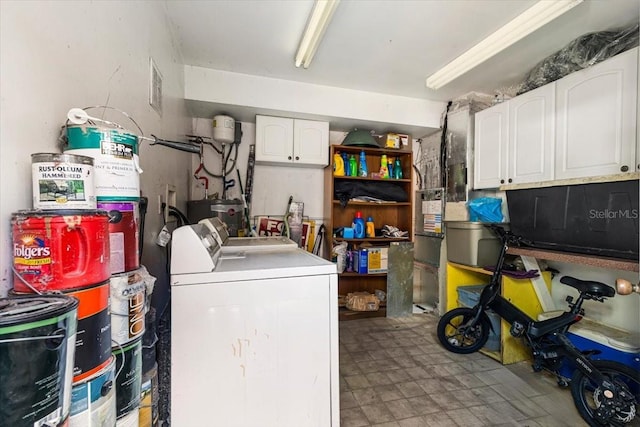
column 59, row 249
column 123, row 235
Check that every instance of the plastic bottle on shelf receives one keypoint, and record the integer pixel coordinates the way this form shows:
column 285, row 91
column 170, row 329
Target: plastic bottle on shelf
column 345, row 162
column 370, row 227
column 338, row 165
column 358, row 226
column 363, row 170
column 353, row 166
column 363, row 261
column 390, row 167
column 384, row 171
column 397, row 169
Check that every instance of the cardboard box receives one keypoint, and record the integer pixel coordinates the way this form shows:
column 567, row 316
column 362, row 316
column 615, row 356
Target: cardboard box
column 378, row 260
column 398, row 141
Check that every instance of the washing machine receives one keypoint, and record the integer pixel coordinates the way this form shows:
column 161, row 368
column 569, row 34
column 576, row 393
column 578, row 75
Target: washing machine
column 254, row 335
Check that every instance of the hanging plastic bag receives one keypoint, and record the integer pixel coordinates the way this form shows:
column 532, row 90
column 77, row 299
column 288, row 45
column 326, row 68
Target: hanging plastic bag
column 485, row 209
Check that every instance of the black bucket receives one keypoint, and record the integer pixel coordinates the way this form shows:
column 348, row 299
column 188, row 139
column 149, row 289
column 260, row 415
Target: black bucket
column 37, row 344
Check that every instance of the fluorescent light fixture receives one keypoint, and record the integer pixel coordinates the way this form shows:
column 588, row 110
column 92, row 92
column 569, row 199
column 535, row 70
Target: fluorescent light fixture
column 521, row 26
column 316, row 26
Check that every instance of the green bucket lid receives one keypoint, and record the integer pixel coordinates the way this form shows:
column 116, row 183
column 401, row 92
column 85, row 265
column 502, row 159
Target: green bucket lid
column 360, row 138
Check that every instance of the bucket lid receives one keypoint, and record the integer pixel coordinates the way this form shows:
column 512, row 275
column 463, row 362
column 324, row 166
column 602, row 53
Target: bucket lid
column 21, row 309
column 360, row 138
column 59, row 212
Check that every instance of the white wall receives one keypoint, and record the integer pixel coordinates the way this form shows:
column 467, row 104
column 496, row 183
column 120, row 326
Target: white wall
column 58, row 55
column 620, row 312
column 272, row 185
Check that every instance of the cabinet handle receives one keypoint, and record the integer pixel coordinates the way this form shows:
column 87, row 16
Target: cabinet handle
column 510, row 180
column 297, row 158
column 624, row 168
column 502, row 181
column 289, row 157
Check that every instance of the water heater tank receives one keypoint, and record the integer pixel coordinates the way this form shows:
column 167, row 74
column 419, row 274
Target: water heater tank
column 224, row 129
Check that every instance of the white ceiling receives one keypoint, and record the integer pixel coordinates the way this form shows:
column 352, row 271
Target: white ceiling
column 384, row 46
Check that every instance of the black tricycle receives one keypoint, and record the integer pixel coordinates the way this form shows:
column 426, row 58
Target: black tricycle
column 606, row 393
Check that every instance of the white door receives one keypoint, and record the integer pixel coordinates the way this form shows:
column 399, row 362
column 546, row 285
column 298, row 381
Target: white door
column 531, row 136
column 311, row 142
column 490, row 152
column 274, row 139
column 252, row 353
column 596, row 119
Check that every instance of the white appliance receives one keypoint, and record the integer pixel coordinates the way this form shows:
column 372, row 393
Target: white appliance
column 254, row 336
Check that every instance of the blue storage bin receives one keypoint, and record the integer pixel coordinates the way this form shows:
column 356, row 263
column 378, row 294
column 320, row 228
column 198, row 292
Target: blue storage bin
column 468, row 296
column 613, row 344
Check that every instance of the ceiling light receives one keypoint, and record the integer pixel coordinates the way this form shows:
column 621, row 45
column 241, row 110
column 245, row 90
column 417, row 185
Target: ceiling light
column 524, row 24
column 316, row 26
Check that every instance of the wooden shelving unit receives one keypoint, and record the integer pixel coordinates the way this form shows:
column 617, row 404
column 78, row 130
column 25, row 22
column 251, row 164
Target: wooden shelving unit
column 397, row 214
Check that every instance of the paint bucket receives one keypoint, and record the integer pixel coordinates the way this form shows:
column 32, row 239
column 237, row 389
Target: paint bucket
column 149, row 398
column 59, row 250
column 116, row 163
column 62, row 181
column 37, row 343
column 124, row 221
column 129, row 378
column 93, row 401
column 93, row 339
column 132, row 419
column 128, row 303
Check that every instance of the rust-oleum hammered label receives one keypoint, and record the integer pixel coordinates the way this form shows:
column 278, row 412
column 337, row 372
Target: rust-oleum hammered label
column 62, row 181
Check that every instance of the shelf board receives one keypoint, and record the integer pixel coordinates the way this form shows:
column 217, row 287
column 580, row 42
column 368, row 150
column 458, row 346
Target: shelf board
column 394, row 152
column 346, row 314
column 351, row 274
column 470, row 268
column 362, row 178
column 373, row 239
column 572, row 258
column 355, row 202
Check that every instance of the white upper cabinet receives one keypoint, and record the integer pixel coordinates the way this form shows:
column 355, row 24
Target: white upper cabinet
column 490, row 152
column 531, row 136
column 582, row 125
column 292, row 142
column 597, row 119
column 311, row 142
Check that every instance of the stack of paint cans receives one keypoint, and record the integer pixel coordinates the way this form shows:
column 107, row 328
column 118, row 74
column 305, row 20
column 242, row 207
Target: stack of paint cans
column 114, row 151
column 67, row 252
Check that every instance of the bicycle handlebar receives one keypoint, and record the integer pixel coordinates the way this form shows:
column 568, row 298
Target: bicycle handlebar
column 507, row 236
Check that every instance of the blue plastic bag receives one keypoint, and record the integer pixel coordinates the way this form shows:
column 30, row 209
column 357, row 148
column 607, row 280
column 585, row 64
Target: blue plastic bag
column 485, row 209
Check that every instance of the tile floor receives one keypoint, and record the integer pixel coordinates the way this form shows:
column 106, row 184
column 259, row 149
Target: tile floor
column 393, row 373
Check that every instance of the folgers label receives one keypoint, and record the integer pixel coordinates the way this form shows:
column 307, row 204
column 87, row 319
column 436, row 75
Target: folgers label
column 62, row 181
column 59, row 250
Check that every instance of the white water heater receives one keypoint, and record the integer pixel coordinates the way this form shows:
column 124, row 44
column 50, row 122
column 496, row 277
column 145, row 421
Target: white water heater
column 224, row 129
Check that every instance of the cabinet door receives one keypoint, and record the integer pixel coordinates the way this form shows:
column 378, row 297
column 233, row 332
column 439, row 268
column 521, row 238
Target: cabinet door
column 531, row 136
column 274, row 139
column 310, row 142
column 596, row 120
column 490, row 152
